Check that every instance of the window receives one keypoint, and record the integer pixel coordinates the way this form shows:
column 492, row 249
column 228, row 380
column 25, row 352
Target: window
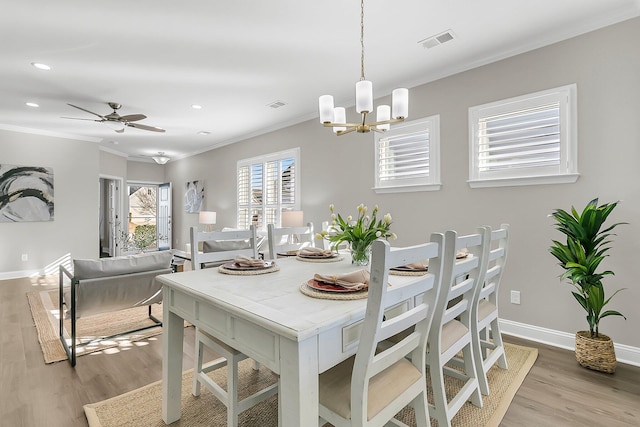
column 266, row 186
column 530, row 139
column 408, row 157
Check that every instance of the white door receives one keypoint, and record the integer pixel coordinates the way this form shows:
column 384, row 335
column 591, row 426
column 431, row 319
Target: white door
column 163, row 220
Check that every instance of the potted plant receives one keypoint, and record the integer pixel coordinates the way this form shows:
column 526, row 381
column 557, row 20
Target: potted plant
column 586, row 247
column 360, row 234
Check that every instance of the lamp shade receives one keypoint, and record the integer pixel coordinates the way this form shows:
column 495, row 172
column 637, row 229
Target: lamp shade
column 325, row 104
column 292, row 218
column 207, row 217
column 364, row 96
column 161, row 159
column 400, row 103
column 384, row 113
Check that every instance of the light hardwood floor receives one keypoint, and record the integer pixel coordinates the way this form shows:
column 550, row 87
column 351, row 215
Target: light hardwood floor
column 557, row 391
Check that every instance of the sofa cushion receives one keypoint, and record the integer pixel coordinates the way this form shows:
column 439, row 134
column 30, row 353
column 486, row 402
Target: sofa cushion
column 116, row 266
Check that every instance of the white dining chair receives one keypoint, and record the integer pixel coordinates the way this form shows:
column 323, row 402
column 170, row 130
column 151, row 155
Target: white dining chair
column 221, row 246
column 230, row 358
column 451, row 334
column 368, row 389
column 487, row 338
column 285, row 239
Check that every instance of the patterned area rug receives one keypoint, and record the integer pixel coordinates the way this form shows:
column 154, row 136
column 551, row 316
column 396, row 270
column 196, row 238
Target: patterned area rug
column 143, row 407
column 44, row 309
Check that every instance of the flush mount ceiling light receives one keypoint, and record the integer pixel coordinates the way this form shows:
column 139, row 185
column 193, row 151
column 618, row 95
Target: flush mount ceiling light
column 196, row 106
column 31, row 104
column 335, row 117
column 161, row 159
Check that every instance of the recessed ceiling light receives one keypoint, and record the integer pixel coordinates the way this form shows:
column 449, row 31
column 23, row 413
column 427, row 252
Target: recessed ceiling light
column 31, row 104
column 196, row 106
column 204, row 132
column 41, row 66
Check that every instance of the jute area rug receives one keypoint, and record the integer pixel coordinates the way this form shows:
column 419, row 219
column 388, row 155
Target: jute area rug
column 44, row 309
column 143, row 407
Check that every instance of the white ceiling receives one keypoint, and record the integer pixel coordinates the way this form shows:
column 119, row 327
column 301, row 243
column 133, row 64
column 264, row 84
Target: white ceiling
column 158, row 57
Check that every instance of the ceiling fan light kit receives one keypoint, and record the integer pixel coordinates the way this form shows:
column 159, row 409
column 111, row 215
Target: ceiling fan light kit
column 335, row 117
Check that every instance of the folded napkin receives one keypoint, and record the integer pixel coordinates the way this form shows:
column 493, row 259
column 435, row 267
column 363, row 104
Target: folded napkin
column 356, row 281
column 245, row 261
column 420, row 265
column 311, row 251
column 462, row 253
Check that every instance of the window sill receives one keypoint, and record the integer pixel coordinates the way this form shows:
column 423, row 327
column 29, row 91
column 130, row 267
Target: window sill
column 529, row 180
column 407, row 188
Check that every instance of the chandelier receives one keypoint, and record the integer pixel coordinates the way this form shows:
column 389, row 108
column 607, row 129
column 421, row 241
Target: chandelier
column 335, row 117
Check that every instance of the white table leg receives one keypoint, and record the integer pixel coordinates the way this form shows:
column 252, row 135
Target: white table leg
column 172, row 339
column 298, row 383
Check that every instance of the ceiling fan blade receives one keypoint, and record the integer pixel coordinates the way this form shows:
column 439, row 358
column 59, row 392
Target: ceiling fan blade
column 78, row 118
column 145, row 127
column 84, row 109
column 133, row 117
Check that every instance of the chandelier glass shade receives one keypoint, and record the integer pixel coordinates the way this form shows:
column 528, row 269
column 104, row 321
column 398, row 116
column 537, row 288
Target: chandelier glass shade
column 161, row 159
column 335, row 117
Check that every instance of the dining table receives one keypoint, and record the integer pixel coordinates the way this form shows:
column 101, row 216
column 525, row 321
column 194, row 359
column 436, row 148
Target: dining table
column 273, row 317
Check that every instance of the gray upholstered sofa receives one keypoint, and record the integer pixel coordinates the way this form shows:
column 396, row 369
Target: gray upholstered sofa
column 110, row 284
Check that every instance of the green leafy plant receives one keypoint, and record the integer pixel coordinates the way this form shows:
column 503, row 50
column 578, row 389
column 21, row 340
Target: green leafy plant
column 586, row 247
column 359, row 233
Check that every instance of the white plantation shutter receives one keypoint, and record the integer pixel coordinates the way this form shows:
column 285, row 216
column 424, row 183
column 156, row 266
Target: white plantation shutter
column 407, row 157
column 524, row 140
column 266, row 186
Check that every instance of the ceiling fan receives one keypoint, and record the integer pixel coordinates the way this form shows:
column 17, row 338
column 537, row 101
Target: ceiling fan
column 116, row 121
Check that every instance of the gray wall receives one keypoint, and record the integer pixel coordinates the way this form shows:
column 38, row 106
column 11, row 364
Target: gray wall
column 74, row 231
column 605, row 65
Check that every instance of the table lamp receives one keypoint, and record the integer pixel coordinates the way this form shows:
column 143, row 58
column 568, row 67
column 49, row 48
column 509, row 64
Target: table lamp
column 207, row 218
column 292, row 218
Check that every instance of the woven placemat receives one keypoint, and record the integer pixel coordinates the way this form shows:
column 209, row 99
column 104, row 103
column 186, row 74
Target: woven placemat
column 273, row 269
column 407, row 273
column 334, row 259
column 315, row 293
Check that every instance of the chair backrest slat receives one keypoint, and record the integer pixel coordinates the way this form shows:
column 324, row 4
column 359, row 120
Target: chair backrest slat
column 238, row 242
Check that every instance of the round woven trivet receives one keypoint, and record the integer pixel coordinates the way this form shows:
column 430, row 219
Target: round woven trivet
column 407, row 273
column 273, row 269
column 314, row 293
column 334, row 259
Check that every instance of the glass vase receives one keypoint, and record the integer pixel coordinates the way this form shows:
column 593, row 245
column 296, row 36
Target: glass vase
column 360, row 252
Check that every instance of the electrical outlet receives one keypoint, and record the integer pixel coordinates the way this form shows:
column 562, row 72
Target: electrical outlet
column 515, row 297
column 25, row 257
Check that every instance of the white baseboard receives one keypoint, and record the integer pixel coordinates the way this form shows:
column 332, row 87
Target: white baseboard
column 624, row 353
column 20, row 274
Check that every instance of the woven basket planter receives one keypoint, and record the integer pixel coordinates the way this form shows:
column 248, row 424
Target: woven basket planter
column 595, row 353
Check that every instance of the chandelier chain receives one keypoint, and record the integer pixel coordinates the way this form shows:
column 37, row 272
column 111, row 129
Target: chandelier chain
column 362, row 40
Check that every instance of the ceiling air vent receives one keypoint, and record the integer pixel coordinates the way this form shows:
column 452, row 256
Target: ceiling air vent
column 437, row 40
column 276, row 104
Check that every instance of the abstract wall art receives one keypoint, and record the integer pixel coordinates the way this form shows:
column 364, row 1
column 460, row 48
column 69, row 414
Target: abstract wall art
column 26, row 193
column 193, row 196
